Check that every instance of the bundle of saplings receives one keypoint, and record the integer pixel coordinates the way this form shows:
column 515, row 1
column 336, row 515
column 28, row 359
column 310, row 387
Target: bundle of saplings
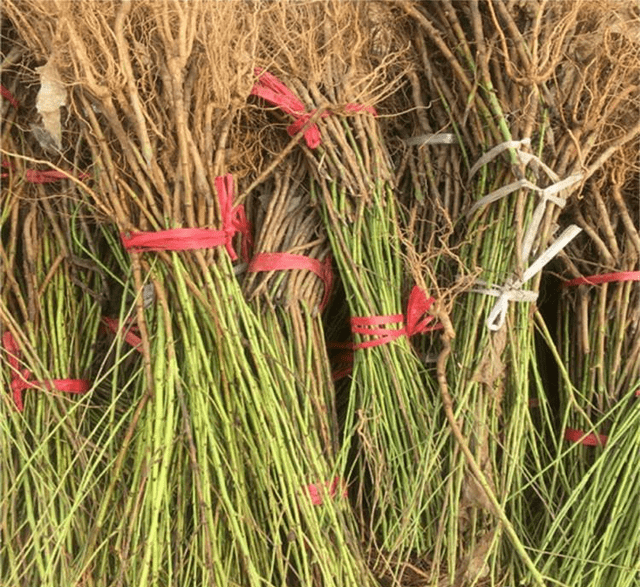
column 271, row 285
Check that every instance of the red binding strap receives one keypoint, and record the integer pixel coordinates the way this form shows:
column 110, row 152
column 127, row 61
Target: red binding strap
column 416, row 322
column 343, row 364
column 175, row 239
column 604, row 278
column 270, row 88
column 38, row 176
column 113, row 325
column 334, row 488
column 9, row 96
column 617, row 277
column 20, row 376
column 580, row 437
column 288, row 261
column 234, row 220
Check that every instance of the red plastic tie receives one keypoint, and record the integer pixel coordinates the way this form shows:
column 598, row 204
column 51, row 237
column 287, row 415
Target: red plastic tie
column 270, row 88
column 341, row 358
column 343, row 363
column 416, row 322
column 332, row 488
column 367, row 326
column 9, row 96
column 581, row 437
column 234, row 218
column 49, row 176
column 174, row 239
column 129, row 336
column 288, row 261
column 604, row 278
column 188, row 239
column 417, row 306
column 20, row 376
column 38, row 176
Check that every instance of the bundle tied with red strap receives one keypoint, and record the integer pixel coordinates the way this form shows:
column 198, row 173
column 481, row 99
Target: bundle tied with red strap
column 617, row 277
column 288, row 261
column 271, row 89
column 234, row 220
column 125, row 330
column 333, row 489
column 417, row 322
column 21, row 376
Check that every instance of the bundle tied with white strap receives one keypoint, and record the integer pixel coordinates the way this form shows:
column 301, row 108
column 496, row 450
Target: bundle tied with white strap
column 512, row 291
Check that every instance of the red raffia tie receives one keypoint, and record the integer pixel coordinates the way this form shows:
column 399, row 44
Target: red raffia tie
column 343, row 364
column 417, row 306
column 234, row 220
column 9, row 96
column 270, row 88
column 37, row 176
column 288, row 261
column 20, row 376
column 580, row 437
column 332, row 488
column 605, row 278
column 416, row 322
column 113, row 325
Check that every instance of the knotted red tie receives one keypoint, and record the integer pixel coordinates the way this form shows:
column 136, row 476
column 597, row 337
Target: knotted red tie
column 234, row 220
column 20, row 376
column 416, row 322
column 270, row 88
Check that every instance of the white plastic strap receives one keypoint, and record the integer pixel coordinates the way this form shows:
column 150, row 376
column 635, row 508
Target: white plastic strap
column 432, row 139
column 512, row 290
column 547, row 195
column 528, row 158
column 524, row 157
column 493, row 153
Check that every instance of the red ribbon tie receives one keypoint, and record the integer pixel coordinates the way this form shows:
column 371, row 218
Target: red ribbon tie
column 20, row 376
column 417, row 308
column 38, row 176
column 113, row 325
column 581, row 437
column 336, row 487
column 288, row 261
column 9, row 96
column 174, row 239
column 604, row 278
column 270, row 88
column 416, row 322
column 234, row 220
